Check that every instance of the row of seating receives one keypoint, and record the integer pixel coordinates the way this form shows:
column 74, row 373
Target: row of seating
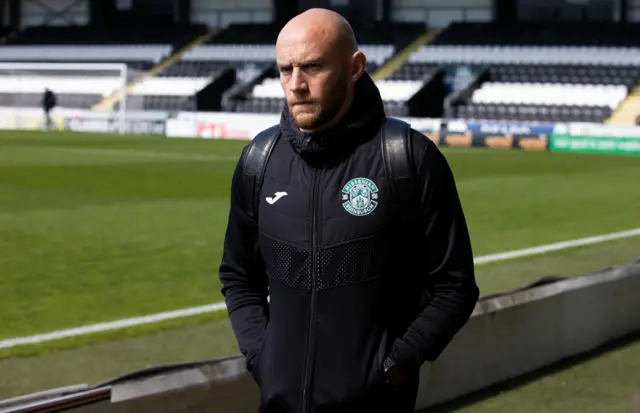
column 587, row 75
column 414, row 71
column 393, row 33
column 550, row 94
column 610, row 56
column 180, row 86
column 122, row 33
column 160, row 102
column 276, row 105
column 266, row 53
column 97, row 85
column 99, row 53
column 541, row 33
column 529, row 112
column 390, row 90
column 171, row 86
column 84, row 101
column 65, row 100
column 628, row 76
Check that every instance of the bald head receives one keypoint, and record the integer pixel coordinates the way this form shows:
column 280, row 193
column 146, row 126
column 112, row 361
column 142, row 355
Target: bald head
column 325, row 26
column 319, row 63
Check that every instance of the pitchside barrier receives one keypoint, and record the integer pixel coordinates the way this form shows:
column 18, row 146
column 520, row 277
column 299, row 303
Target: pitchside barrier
column 560, row 137
column 508, row 335
column 569, row 137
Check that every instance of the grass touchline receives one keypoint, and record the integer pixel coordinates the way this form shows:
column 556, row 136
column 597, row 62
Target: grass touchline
column 192, row 311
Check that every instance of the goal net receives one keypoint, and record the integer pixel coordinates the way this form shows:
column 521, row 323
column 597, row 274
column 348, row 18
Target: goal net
column 84, row 92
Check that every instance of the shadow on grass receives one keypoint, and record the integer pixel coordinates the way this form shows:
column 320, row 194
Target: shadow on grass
column 515, row 383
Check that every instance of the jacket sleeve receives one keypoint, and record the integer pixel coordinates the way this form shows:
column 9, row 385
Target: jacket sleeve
column 242, row 273
column 448, row 271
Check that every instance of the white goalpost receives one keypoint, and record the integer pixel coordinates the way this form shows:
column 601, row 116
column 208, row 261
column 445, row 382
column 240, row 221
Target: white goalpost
column 98, row 87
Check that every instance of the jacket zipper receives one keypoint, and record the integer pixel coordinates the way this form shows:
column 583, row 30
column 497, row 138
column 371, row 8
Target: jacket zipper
column 311, row 330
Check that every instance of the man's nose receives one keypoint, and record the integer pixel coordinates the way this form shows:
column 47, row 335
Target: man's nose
column 297, row 83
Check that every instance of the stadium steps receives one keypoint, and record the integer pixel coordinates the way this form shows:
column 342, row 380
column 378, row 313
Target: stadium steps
column 626, row 113
column 108, row 102
column 402, row 56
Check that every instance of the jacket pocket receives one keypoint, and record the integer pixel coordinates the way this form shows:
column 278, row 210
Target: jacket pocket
column 376, row 379
column 255, row 360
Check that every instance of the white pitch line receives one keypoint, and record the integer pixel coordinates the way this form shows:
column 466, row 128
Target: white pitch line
column 542, row 249
column 154, row 318
column 112, row 325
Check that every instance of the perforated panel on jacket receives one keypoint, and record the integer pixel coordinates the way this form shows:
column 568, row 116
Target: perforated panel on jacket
column 287, row 264
column 349, row 263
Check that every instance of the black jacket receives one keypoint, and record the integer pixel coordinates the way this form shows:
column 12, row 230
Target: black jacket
column 48, row 100
column 349, row 285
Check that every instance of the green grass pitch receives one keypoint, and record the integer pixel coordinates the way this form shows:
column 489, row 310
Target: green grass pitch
column 95, row 228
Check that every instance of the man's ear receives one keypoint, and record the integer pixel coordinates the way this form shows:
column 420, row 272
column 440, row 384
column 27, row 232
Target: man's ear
column 358, row 65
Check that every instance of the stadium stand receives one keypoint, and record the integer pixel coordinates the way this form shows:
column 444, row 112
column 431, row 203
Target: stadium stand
column 240, row 55
column 267, row 96
column 249, row 50
column 139, row 47
column 537, row 71
column 526, row 72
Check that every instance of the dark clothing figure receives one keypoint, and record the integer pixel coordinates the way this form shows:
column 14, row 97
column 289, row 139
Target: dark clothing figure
column 48, row 103
column 354, row 293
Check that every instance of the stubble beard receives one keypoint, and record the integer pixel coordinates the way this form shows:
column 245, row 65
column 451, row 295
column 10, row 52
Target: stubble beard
column 323, row 114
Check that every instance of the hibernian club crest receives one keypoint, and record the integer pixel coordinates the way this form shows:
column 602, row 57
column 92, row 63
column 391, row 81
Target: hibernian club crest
column 360, row 196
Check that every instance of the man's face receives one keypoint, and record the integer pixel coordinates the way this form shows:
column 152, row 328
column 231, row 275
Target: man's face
column 315, row 83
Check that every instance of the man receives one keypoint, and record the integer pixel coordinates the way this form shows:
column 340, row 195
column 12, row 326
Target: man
column 48, row 103
column 358, row 300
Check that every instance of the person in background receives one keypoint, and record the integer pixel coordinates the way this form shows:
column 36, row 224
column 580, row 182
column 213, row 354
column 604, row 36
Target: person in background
column 48, row 103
